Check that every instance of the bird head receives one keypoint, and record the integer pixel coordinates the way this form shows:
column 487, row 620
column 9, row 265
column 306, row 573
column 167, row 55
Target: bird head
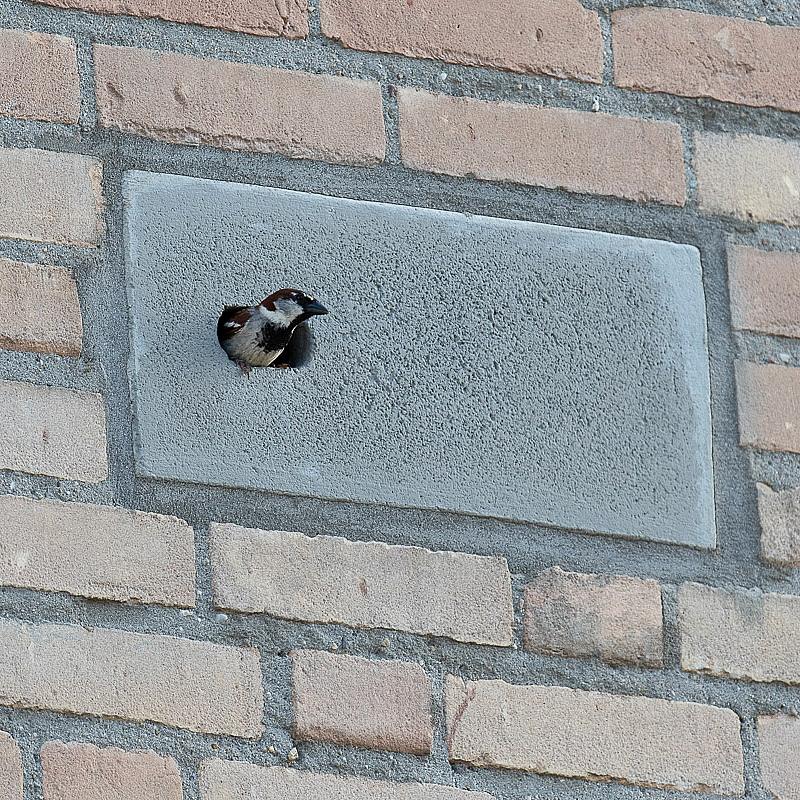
column 289, row 307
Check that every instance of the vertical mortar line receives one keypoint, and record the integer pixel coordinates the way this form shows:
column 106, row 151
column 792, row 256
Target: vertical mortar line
column 689, row 155
column 671, row 635
column 88, row 113
column 518, row 583
column 391, row 122
column 439, row 754
column 606, row 30
column 204, row 590
column 751, row 761
column 33, row 777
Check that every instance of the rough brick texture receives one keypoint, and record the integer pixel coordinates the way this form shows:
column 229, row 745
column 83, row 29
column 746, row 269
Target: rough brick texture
column 73, row 771
column 46, row 430
column 616, row 618
column 188, row 100
column 11, row 782
column 235, row 780
column 557, row 37
column 750, row 177
column 382, row 705
column 260, row 17
column 184, row 683
column 573, row 150
column 559, row 731
column 39, row 309
column 769, row 406
column 741, row 634
column 780, row 525
column 96, row 551
column 700, row 55
column 38, row 77
column 362, row 584
column 778, row 746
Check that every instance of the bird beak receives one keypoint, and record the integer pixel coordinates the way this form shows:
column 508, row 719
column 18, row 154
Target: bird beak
column 315, row 308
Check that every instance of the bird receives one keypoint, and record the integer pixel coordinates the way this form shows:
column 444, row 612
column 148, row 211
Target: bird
column 258, row 336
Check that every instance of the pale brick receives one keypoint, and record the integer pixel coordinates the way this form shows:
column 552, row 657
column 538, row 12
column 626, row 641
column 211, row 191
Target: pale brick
column 555, row 37
column 362, row 584
column 260, row 17
column 614, row 617
column 700, row 55
column 778, row 746
column 741, row 634
column 184, row 683
column 39, row 309
column 765, row 291
column 73, row 771
column 189, row 100
column 50, row 197
column 47, row 430
column 780, row 525
column 574, row 150
column 769, row 406
column 10, row 769
column 38, row 77
column 750, row 177
column 558, row 731
column 382, row 705
column 96, row 551
column 236, row 780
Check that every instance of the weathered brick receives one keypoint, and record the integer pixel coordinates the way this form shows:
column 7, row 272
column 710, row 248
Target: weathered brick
column 382, row 705
column 700, row 55
column 47, row 430
column 73, row 771
column 184, row 683
column 780, row 525
column 558, row 37
column 558, row 731
column 362, row 584
column 769, row 406
column 39, row 309
column 778, row 746
column 765, row 291
column 189, row 100
column 260, row 17
column 39, row 77
column 236, row 780
column 742, row 634
column 50, row 197
column 614, row 617
column 574, row 150
column 10, row 769
column 750, row 177
column 96, row 551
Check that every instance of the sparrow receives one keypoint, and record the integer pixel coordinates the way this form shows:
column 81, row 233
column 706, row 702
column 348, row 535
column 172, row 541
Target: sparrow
column 257, row 336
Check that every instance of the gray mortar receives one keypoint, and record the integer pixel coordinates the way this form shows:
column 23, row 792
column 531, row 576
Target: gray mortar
column 529, row 548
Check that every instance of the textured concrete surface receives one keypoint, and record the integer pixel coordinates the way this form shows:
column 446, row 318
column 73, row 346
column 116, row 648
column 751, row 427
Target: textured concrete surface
column 515, row 399
column 780, row 525
column 778, row 746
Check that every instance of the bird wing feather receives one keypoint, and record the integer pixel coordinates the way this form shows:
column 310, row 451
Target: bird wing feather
column 231, row 321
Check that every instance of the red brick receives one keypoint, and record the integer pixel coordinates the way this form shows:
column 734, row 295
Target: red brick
column 10, row 769
column 700, row 55
column 188, row 100
column 260, row 17
column 381, row 705
column 780, row 525
column 555, row 37
column 778, row 746
column 573, row 150
column 73, row 771
column 39, row 77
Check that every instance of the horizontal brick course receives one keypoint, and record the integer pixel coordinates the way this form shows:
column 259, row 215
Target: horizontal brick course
column 780, row 525
column 47, row 430
column 742, row 634
column 614, row 617
column 362, row 584
column 39, row 77
column 558, row 37
column 50, row 197
column 236, row 780
column 778, row 746
column 188, row 100
column 701, row 55
column 558, row 731
column 573, row 150
column 381, row 705
column 750, row 177
column 183, row 683
column 769, row 406
column 259, row 17
column 10, row 769
column 39, row 309
column 76, row 771
column 96, row 551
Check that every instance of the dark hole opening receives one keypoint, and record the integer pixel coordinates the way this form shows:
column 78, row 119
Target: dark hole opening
column 299, row 351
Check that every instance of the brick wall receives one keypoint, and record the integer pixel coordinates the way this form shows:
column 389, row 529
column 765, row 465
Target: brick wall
column 167, row 641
